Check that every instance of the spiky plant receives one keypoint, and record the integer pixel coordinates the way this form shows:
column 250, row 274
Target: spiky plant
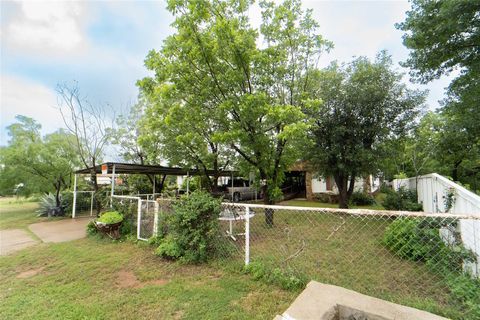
column 48, row 207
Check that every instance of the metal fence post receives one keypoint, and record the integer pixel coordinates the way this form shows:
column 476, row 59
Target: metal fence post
column 155, row 221
column 91, row 203
column 139, row 216
column 247, row 235
column 74, row 196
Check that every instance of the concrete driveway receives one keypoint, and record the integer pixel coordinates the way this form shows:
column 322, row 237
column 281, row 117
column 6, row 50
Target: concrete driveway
column 61, row 230
column 12, row 240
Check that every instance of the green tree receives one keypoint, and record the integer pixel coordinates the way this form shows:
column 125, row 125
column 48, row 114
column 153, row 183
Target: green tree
column 46, row 162
column 127, row 136
column 444, row 36
column 364, row 104
column 250, row 98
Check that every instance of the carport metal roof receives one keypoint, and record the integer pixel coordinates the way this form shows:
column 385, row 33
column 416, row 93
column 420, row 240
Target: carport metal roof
column 131, row 168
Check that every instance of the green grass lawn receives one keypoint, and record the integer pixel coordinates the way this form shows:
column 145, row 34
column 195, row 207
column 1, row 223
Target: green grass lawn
column 100, row 279
column 19, row 213
column 347, row 251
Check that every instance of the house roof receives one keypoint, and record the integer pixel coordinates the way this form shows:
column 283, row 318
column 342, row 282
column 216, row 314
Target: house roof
column 132, row 168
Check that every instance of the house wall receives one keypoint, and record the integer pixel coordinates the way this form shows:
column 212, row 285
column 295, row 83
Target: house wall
column 319, row 185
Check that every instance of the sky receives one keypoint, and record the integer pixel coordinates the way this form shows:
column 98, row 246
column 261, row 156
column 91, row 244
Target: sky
column 101, row 45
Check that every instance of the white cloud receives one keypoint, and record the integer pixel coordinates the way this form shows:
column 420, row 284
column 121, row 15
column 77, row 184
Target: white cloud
column 22, row 97
column 47, row 27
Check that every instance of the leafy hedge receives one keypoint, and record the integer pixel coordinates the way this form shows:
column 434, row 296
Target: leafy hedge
column 362, row 199
column 420, row 240
column 192, row 229
column 403, row 199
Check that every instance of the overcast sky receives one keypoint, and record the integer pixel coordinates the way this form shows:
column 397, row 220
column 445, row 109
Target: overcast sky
column 102, row 45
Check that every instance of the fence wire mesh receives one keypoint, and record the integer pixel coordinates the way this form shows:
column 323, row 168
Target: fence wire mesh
column 128, row 207
column 148, row 219
column 426, row 261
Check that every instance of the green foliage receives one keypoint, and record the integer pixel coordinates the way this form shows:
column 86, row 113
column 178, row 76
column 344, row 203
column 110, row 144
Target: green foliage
column 420, row 240
column 216, row 95
column 402, row 200
column 48, row 207
column 286, row 279
column 110, row 217
column 193, row 230
column 91, row 229
column 443, row 36
column 365, row 104
column 362, row 199
column 38, row 164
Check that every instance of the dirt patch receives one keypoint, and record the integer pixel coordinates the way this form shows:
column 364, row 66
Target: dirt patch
column 127, row 279
column 29, row 273
column 157, row 282
column 178, row 314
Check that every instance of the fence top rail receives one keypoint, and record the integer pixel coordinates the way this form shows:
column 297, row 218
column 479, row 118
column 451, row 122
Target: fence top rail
column 357, row 212
column 127, row 197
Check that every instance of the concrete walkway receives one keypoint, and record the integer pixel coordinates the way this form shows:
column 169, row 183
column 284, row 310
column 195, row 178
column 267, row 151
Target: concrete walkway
column 12, row 240
column 61, row 230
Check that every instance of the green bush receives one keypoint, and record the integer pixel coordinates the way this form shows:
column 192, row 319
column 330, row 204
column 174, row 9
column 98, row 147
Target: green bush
column 193, row 229
column 91, row 229
column 403, row 199
column 361, row 199
column 410, row 240
column 420, row 240
column 285, row 278
column 110, row 217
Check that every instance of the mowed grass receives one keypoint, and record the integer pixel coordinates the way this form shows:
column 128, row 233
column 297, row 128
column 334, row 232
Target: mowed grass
column 318, row 204
column 346, row 251
column 17, row 213
column 101, row 279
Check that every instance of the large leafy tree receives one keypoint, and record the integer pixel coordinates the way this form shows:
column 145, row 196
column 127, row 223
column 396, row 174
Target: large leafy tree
column 444, row 36
column 365, row 103
column 46, row 162
column 127, row 137
column 212, row 78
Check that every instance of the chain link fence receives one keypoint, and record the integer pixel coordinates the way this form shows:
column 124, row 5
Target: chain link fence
column 415, row 259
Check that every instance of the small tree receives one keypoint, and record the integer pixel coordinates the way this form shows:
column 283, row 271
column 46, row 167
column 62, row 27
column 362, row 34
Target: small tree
column 364, row 104
column 90, row 127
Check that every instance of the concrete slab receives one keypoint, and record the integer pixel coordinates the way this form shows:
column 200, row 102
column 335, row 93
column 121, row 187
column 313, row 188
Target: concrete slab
column 326, row 302
column 12, row 240
column 60, row 231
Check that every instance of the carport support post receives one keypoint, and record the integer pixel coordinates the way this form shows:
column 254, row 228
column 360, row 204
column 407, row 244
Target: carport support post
column 139, row 216
column 113, row 187
column 232, row 187
column 74, row 195
column 247, row 235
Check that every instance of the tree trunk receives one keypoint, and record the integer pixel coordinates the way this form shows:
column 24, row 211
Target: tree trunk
column 341, row 182
column 269, row 213
column 456, row 165
column 93, row 180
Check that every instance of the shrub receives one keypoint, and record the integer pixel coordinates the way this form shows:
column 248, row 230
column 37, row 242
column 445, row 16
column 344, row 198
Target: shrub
column 110, row 217
column 361, row 199
column 403, row 199
column 91, row 229
column 193, row 229
column 420, row 240
column 286, row 279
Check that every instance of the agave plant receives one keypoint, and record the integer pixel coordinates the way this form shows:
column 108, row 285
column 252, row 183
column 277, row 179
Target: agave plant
column 49, row 208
